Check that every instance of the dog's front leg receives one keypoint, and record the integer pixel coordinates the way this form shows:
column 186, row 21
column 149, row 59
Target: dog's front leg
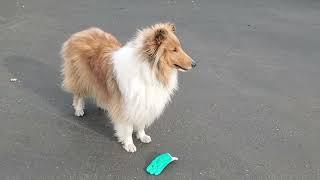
column 124, row 134
column 141, row 134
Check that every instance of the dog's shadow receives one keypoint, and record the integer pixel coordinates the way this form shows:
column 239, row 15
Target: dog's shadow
column 45, row 81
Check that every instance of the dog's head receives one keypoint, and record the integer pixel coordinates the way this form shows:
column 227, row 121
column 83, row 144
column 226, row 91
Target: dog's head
column 163, row 48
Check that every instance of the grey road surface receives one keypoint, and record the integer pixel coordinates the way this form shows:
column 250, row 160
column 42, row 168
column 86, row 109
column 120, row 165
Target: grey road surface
column 250, row 110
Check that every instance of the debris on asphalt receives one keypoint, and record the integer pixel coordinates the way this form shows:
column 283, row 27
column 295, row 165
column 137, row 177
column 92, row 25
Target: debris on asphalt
column 13, row 79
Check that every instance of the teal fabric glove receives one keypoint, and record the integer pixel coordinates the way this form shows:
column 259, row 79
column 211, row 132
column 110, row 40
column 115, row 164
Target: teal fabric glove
column 158, row 164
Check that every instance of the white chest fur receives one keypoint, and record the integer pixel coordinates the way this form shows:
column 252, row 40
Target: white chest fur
column 143, row 95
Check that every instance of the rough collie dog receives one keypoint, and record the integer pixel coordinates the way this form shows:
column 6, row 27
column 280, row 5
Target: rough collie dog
column 133, row 83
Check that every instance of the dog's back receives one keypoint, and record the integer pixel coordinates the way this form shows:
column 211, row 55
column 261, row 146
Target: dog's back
column 86, row 67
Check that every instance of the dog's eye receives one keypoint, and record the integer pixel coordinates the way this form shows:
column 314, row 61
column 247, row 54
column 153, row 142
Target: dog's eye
column 175, row 50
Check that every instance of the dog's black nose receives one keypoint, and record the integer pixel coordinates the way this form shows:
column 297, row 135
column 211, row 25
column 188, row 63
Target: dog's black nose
column 193, row 64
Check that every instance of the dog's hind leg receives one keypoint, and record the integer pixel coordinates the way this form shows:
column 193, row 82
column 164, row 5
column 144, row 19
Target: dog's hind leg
column 78, row 105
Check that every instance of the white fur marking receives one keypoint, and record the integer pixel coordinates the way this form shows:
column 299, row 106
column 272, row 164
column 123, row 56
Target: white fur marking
column 144, row 95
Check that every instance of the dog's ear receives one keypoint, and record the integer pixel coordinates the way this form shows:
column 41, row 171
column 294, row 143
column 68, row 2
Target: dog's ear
column 173, row 27
column 160, row 35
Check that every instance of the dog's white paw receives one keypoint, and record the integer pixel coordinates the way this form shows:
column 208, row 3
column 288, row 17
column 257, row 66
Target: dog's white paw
column 79, row 112
column 130, row 147
column 145, row 138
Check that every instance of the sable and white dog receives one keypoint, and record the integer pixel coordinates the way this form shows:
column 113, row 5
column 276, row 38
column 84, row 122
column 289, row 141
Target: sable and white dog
column 133, row 83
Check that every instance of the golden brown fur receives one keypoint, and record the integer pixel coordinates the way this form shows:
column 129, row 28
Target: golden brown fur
column 87, row 67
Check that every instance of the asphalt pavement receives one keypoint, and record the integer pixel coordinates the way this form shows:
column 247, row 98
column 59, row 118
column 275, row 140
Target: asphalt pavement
column 250, row 110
